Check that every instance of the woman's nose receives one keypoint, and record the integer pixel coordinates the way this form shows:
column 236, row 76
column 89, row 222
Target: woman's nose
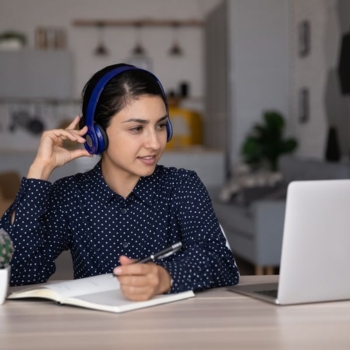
column 152, row 140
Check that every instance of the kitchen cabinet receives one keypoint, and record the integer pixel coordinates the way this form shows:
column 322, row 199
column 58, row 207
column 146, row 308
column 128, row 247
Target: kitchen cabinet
column 36, row 74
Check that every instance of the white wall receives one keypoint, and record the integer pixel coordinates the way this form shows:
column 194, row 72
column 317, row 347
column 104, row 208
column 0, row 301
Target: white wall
column 310, row 72
column 318, row 72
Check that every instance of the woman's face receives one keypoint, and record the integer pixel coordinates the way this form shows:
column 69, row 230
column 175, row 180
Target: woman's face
column 137, row 138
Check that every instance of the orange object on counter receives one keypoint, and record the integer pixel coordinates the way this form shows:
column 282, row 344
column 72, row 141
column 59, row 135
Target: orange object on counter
column 187, row 128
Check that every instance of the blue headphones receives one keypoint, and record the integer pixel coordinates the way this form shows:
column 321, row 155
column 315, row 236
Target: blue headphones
column 96, row 138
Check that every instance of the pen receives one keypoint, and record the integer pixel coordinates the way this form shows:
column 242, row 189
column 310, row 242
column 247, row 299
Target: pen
column 162, row 254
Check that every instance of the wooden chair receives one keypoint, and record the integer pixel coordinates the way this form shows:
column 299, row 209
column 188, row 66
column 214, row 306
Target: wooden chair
column 10, row 182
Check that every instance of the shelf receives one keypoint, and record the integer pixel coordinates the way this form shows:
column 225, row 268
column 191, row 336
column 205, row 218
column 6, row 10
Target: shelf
column 136, row 23
column 39, row 100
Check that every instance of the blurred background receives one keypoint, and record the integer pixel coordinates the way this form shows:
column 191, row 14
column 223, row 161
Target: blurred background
column 258, row 94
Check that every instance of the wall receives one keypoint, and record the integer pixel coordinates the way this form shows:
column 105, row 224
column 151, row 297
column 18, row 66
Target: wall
column 317, row 71
column 266, row 70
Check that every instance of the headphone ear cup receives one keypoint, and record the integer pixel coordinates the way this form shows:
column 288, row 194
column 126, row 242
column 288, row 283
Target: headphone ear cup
column 169, row 130
column 102, row 139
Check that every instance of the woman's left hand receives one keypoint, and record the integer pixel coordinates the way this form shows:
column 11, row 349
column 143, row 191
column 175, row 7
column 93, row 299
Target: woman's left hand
column 140, row 282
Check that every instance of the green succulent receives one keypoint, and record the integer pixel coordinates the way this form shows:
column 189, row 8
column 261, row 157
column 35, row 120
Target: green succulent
column 6, row 249
column 266, row 142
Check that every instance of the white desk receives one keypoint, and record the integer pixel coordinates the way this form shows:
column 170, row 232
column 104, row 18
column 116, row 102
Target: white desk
column 216, row 319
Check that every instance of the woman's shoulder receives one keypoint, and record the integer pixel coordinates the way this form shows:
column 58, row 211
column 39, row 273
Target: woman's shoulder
column 73, row 181
column 185, row 182
column 175, row 173
column 176, row 176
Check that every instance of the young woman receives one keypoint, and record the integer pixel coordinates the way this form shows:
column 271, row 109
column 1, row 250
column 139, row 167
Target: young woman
column 127, row 207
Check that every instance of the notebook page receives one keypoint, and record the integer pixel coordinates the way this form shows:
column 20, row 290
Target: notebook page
column 115, row 301
column 83, row 286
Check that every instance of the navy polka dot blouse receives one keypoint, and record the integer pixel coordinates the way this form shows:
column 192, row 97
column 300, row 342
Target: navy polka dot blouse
column 82, row 214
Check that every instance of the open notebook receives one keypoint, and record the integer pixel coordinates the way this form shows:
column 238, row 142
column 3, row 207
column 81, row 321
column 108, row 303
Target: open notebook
column 98, row 292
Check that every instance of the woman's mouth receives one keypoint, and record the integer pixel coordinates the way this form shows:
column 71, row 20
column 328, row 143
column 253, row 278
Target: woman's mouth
column 148, row 160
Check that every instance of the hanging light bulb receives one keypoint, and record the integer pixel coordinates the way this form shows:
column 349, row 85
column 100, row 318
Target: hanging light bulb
column 139, row 55
column 138, row 49
column 101, row 49
column 175, row 49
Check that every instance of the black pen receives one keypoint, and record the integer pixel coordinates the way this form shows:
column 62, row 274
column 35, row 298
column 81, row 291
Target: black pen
column 162, row 254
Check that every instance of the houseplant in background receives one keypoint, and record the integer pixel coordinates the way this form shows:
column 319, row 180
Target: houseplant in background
column 6, row 252
column 266, row 143
column 261, row 150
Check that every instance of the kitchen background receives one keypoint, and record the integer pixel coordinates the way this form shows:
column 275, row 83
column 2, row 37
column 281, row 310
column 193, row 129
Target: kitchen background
column 60, row 72
column 237, row 59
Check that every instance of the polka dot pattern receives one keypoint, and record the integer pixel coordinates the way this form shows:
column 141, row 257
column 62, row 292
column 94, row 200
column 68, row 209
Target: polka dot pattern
column 82, row 214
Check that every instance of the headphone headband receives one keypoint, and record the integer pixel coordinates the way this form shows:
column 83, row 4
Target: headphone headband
column 96, row 141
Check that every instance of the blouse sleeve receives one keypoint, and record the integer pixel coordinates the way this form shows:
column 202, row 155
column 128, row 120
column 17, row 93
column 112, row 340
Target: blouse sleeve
column 38, row 232
column 205, row 261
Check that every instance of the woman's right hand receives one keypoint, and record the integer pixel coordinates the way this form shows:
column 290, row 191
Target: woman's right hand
column 51, row 154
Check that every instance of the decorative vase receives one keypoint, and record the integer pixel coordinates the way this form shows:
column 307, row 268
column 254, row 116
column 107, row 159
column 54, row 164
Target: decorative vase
column 4, row 283
column 10, row 45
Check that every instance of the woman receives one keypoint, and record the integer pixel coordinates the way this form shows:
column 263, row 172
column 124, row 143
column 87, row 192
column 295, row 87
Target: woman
column 127, row 207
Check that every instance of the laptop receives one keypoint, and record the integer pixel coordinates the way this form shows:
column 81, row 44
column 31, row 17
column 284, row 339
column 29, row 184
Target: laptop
column 315, row 259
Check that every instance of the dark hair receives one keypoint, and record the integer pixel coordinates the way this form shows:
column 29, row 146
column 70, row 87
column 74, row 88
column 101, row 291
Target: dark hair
column 118, row 92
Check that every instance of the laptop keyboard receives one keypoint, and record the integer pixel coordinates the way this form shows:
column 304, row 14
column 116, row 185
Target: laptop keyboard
column 271, row 293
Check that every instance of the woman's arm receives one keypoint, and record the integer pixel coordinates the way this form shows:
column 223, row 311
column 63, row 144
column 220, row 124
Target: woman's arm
column 35, row 221
column 205, row 261
column 39, row 232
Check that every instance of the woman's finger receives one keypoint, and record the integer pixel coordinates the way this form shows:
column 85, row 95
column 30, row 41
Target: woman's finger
column 137, row 294
column 133, row 281
column 78, row 153
column 64, row 134
column 134, row 269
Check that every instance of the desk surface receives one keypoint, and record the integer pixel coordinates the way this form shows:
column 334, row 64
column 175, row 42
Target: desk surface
column 215, row 319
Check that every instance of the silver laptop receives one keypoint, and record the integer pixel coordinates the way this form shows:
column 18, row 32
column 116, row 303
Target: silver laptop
column 315, row 260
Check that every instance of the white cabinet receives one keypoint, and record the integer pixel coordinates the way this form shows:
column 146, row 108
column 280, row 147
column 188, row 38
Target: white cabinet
column 36, row 74
column 208, row 164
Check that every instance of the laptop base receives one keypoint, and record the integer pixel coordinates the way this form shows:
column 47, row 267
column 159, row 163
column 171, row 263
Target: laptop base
column 264, row 291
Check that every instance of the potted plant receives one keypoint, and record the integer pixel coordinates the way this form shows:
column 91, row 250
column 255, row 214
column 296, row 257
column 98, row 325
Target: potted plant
column 6, row 252
column 266, row 143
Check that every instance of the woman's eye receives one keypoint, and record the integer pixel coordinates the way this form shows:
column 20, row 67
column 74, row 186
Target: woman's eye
column 136, row 129
column 161, row 126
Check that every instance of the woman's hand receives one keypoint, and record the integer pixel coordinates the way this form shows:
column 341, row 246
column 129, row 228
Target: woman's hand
column 51, row 154
column 141, row 281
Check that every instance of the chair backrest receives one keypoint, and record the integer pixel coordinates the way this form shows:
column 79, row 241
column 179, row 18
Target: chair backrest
column 10, row 182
